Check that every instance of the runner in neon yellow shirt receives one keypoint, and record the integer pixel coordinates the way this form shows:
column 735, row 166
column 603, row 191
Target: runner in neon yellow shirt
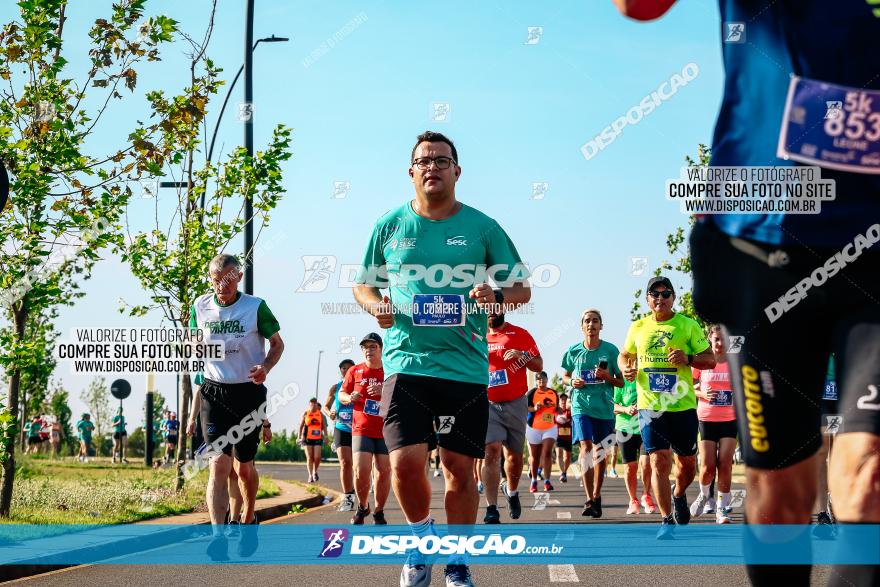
column 658, row 354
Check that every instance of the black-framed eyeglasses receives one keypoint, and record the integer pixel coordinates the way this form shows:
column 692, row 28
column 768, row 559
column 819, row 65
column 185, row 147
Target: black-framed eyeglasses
column 665, row 294
column 424, row 163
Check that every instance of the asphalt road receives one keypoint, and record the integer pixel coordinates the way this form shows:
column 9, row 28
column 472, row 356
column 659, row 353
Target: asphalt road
column 564, row 507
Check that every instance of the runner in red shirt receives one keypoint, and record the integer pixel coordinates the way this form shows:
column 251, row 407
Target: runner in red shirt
column 512, row 350
column 362, row 387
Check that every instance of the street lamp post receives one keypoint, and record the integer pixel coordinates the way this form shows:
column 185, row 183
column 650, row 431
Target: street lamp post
column 247, row 69
column 272, row 39
column 249, row 144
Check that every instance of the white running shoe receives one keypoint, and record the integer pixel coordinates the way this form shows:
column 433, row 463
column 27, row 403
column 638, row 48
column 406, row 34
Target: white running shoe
column 347, row 504
column 698, row 505
column 416, row 571
column 436, row 472
column 612, row 472
column 722, row 516
column 633, row 507
column 710, row 506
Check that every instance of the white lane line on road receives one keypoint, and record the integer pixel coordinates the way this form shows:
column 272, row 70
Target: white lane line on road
column 563, row 574
column 563, row 515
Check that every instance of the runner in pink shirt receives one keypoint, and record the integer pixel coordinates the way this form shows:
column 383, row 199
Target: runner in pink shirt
column 717, row 428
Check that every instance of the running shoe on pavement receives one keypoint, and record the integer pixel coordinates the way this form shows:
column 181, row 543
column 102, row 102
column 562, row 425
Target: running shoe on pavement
column 347, row 504
column 824, row 529
column 633, row 507
column 358, row 518
column 597, row 507
column 612, row 472
column 699, row 504
column 233, row 529
column 533, row 487
column 480, row 487
column 667, row 529
column 458, row 576
column 710, row 507
column 548, row 486
column 416, row 571
column 514, row 507
column 250, row 541
column 648, row 504
column 492, row 516
column 563, row 478
column 379, row 518
column 436, row 472
column 722, row 516
column 218, row 549
column 540, row 474
column 680, row 510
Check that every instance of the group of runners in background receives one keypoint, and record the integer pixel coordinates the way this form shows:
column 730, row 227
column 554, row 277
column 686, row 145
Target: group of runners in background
column 452, row 380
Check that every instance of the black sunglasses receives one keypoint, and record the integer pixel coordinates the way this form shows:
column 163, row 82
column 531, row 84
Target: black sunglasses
column 665, row 294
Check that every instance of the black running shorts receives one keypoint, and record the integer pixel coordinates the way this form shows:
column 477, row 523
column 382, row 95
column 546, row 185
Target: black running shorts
column 783, row 333
column 412, row 404
column 225, row 411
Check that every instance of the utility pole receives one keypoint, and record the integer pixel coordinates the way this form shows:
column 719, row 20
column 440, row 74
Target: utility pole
column 249, row 143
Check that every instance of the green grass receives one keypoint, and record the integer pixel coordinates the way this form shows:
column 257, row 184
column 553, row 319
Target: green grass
column 99, row 492
column 298, row 509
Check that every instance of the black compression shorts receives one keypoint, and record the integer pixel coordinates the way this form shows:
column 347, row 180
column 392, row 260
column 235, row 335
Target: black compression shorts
column 781, row 353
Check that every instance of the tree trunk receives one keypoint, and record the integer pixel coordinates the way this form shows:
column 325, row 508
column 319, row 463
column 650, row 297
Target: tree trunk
column 22, row 419
column 20, row 318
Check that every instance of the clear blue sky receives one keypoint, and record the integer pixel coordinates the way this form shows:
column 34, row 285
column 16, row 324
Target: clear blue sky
column 519, row 114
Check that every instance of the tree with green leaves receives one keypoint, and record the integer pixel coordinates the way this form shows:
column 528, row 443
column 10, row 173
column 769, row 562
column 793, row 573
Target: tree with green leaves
column 96, row 397
column 171, row 261
column 65, row 198
column 35, row 380
column 558, row 386
column 680, row 265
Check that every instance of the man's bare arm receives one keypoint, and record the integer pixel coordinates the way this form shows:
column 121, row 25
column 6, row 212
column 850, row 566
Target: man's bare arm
column 276, row 347
column 704, row 360
column 331, row 397
column 367, row 296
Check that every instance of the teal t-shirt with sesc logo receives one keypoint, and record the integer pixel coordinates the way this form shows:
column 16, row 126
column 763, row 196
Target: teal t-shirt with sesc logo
column 429, row 268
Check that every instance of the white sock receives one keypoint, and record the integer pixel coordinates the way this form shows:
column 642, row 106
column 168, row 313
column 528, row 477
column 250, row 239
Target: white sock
column 509, row 492
column 423, row 528
column 725, row 499
column 704, row 490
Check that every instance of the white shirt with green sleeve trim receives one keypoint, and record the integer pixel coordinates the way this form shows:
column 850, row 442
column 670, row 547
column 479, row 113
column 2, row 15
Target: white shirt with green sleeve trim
column 243, row 326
